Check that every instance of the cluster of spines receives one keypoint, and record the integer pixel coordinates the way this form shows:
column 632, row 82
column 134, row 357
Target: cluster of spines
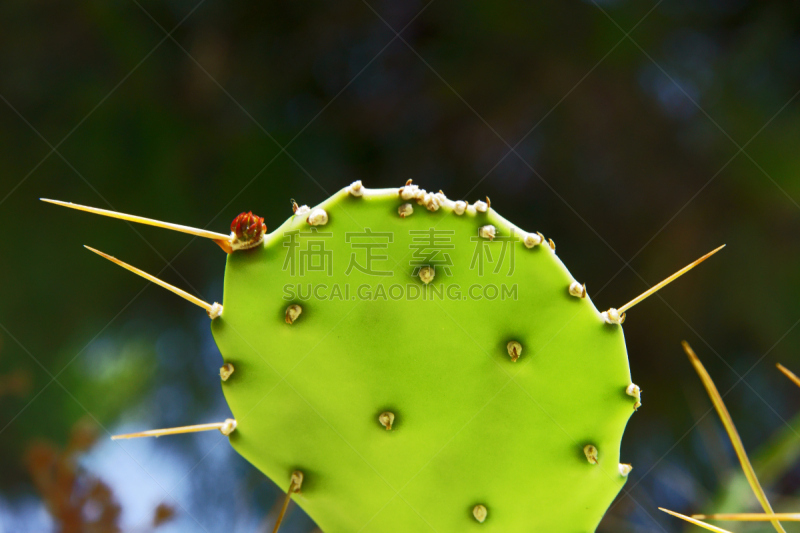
column 749, row 472
column 249, row 230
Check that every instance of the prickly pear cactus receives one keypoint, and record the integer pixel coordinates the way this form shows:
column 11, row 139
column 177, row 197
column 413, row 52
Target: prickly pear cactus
column 400, row 362
column 427, row 366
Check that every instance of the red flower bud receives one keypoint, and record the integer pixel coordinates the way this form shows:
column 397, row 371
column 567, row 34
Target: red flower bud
column 248, row 229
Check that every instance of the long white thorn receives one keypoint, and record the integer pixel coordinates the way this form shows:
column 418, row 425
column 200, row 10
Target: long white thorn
column 617, row 316
column 695, row 521
column 226, row 428
column 142, row 220
column 213, row 310
column 749, row 517
column 670, row 279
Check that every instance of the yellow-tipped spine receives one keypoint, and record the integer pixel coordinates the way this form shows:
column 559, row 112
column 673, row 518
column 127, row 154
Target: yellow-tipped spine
column 143, row 220
column 655, row 288
column 789, row 374
column 695, row 521
column 749, row 517
column 213, row 310
column 226, row 428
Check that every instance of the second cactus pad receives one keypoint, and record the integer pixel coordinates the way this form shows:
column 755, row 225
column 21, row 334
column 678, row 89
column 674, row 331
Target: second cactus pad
column 427, row 366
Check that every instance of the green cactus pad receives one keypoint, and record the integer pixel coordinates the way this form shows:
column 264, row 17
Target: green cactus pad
column 470, row 425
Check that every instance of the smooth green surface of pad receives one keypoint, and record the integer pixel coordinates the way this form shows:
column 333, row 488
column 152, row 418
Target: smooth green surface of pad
column 472, row 427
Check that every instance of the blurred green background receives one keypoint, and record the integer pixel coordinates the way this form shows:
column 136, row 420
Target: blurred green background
column 644, row 134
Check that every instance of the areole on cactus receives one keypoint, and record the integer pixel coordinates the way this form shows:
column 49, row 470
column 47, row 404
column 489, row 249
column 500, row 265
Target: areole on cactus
column 399, row 362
